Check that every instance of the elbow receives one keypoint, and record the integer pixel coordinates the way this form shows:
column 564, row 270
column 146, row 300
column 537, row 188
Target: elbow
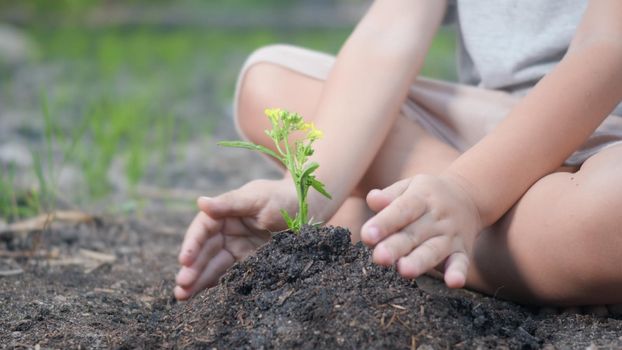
column 607, row 44
column 602, row 55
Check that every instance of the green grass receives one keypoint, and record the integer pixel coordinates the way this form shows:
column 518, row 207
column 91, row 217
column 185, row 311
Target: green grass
column 123, row 93
column 15, row 204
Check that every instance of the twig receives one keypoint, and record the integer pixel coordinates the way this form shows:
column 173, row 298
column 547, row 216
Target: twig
column 42, row 221
column 7, row 273
column 400, row 307
column 306, row 268
column 391, row 320
column 25, row 254
column 284, row 297
column 104, row 290
column 101, row 257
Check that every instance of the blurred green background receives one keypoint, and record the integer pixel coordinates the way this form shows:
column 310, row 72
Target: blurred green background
column 105, row 105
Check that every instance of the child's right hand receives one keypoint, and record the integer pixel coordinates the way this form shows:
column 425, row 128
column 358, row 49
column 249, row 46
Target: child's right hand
column 228, row 228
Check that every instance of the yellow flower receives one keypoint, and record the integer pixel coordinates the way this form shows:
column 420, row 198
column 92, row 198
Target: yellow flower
column 273, row 114
column 313, row 133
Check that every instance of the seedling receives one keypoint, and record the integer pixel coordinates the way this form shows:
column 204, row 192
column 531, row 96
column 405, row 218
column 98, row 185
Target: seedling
column 285, row 123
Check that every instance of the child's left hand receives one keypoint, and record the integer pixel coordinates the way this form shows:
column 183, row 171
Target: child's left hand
column 421, row 222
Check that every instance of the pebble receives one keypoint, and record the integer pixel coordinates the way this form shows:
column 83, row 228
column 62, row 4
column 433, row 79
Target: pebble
column 597, row 310
column 14, row 45
column 615, row 310
column 16, row 154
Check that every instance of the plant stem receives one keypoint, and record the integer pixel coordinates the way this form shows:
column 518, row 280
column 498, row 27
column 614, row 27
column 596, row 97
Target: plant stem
column 292, row 166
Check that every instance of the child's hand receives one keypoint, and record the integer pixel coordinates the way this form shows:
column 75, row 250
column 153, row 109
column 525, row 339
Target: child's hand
column 421, row 222
column 227, row 229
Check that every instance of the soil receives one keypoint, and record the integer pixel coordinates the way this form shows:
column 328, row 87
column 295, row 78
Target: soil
column 107, row 284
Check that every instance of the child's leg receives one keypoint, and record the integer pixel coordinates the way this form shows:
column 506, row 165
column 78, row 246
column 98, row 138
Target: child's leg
column 561, row 242
column 558, row 245
column 265, row 84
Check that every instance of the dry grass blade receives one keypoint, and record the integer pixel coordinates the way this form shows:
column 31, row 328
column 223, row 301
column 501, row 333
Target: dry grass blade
column 399, row 307
column 284, row 297
column 101, row 257
column 42, row 221
column 12, row 272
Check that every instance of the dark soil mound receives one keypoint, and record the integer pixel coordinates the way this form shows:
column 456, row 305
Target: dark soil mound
column 317, row 291
column 108, row 286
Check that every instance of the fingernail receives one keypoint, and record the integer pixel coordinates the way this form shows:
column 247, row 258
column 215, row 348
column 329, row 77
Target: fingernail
column 373, row 233
column 204, row 200
column 373, row 192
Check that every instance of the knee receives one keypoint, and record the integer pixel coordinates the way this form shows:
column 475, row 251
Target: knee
column 255, row 89
column 600, row 200
column 593, row 228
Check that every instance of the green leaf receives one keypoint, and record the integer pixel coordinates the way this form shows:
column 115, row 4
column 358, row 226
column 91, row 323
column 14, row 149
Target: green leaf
column 309, row 169
column 288, row 219
column 319, row 187
column 251, row 146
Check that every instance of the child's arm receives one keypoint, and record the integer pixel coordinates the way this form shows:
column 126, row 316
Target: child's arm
column 553, row 120
column 362, row 95
column 447, row 212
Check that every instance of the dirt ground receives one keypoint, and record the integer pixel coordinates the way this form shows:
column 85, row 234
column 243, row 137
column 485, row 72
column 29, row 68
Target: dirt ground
column 107, row 283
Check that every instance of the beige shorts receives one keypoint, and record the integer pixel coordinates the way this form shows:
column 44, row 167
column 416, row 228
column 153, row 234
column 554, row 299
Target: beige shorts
column 459, row 115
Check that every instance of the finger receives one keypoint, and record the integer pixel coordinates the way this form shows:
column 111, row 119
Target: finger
column 401, row 243
column 427, row 255
column 456, row 269
column 379, row 199
column 209, row 278
column 244, row 201
column 188, row 274
column 201, row 228
column 401, row 212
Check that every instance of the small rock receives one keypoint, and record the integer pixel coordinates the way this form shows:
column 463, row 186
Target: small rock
column 547, row 311
column 597, row 310
column 615, row 310
column 14, row 45
column 425, row 347
column 572, row 310
column 16, row 154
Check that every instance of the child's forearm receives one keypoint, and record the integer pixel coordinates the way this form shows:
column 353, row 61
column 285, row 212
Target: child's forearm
column 549, row 124
column 365, row 88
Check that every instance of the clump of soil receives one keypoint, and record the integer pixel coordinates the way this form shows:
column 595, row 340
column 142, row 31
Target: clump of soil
column 109, row 285
column 318, row 291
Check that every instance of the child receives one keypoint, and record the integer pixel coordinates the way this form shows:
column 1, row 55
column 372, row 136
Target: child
column 500, row 183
